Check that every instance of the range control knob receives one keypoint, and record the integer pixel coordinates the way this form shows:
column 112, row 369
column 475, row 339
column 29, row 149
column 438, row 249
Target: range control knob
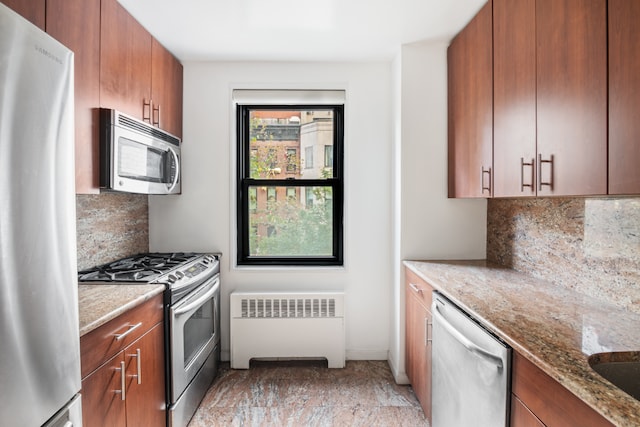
column 172, row 279
column 179, row 274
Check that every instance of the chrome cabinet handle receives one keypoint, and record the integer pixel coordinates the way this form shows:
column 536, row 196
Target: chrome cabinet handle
column 540, row 181
column 122, row 336
column 522, row 165
column 415, row 288
column 123, row 382
column 488, row 187
column 427, row 340
column 138, row 375
column 156, row 122
column 146, row 106
column 466, row 342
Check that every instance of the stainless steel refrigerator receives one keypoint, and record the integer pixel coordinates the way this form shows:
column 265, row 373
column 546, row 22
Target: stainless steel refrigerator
column 39, row 340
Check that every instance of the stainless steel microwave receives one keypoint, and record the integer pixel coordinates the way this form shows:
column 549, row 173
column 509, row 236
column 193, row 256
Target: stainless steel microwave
column 136, row 157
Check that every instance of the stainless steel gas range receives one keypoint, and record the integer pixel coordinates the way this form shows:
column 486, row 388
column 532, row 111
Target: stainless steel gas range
column 192, row 319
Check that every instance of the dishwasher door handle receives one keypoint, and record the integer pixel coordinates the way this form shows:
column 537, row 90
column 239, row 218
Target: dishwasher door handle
column 466, row 342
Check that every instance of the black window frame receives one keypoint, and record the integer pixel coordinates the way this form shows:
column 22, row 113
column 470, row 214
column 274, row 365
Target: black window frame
column 336, row 182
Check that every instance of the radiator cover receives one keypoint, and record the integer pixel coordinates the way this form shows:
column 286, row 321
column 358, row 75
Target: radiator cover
column 287, row 326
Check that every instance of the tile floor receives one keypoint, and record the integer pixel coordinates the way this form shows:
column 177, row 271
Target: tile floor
column 307, row 393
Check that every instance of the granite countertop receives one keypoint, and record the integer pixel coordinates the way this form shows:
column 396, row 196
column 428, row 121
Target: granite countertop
column 555, row 328
column 100, row 303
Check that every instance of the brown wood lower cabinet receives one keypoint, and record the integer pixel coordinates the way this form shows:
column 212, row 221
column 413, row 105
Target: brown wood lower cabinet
column 542, row 401
column 418, row 343
column 128, row 388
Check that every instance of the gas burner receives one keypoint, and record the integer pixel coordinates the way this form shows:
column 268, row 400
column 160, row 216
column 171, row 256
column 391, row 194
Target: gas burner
column 138, row 268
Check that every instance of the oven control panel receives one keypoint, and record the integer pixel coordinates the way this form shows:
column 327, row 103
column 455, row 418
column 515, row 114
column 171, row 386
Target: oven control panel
column 194, row 270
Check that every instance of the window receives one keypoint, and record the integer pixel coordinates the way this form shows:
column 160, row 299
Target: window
column 308, row 157
column 292, row 160
column 288, row 215
column 291, row 194
column 328, row 156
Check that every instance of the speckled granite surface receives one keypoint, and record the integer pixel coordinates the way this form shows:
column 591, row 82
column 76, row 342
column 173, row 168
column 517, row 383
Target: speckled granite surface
column 555, row 327
column 590, row 245
column 100, row 303
column 111, row 226
column 363, row 394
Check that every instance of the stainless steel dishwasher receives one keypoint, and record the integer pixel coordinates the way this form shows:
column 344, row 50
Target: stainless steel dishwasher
column 471, row 371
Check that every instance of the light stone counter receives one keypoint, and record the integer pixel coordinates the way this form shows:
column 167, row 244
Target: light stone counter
column 555, row 328
column 100, row 303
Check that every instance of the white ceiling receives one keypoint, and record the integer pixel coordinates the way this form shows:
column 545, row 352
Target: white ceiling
column 298, row 30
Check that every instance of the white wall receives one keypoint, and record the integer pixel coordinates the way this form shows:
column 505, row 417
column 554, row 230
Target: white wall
column 202, row 218
column 427, row 224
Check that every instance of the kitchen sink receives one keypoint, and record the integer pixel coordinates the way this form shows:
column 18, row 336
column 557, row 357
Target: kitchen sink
column 622, row 369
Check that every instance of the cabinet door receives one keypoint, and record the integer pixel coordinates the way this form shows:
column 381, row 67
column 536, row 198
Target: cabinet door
column 125, row 62
column 572, row 96
column 514, row 102
column 102, row 403
column 548, row 400
column 145, row 379
column 470, row 86
column 33, row 10
column 624, row 97
column 76, row 24
column 417, row 339
column 521, row 416
column 166, row 90
column 418, row 359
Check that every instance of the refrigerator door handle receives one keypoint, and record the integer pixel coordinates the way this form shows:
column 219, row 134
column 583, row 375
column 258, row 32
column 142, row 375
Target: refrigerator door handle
column 466, row 342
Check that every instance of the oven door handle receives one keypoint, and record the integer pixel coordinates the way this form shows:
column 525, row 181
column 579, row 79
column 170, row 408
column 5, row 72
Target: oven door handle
column 187, row 308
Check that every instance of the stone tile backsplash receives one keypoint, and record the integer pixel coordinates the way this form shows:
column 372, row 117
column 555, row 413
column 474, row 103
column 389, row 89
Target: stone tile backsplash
column 591, row 245
column 111, row 226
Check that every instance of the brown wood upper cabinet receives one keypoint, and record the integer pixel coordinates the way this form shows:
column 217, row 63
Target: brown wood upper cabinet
column 166, row 90
column 76, row 24
column 138, row 76
column 470, row 90
column 33, row 10
column 550, row 89
column 624, row 97
column 125, row 62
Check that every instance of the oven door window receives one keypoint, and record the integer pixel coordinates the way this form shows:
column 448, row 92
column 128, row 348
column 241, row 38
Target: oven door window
column 140, row 161
column 198, row 330
column 194, row 334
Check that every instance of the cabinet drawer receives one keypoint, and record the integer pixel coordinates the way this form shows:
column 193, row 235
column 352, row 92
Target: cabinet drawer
column 521, row 416
column 418, row 287
column 548, row 400
column 101, row 344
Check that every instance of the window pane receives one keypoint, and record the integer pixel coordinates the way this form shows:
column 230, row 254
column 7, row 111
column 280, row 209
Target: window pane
column 283, row 143
column 296, row 222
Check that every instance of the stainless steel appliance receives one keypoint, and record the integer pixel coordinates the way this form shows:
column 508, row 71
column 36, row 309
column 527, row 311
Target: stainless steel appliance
column 192, row 319
column 471, row 371
column 136, row 157
column 39, row 330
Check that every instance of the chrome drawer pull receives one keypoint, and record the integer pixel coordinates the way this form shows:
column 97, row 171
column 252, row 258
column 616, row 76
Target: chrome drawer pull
column 415, row 288
column 138, row 375
column 123, row 382
column 122, row 336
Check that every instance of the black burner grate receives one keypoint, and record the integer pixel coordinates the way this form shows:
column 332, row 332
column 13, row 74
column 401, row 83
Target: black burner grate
column 138, row 268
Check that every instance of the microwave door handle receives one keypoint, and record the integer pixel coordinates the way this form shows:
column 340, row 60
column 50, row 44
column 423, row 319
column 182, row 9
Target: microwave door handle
column 177, row 163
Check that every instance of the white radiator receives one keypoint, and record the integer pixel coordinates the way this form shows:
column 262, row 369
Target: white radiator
column 287, row 326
